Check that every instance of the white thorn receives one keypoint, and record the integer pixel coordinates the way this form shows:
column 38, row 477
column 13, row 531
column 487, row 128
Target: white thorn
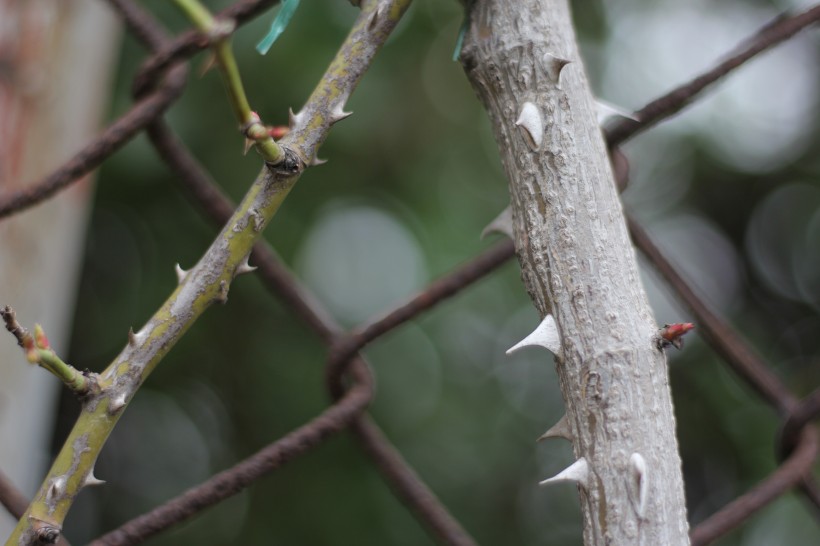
column 116, row 403
column 258, row 220
column 529, row 120
column 637, row 465
column 501, row 224
column 56, row 489
column 545, row 335
column 606, row 110
column 558, row 430
column 374, row 19
column 91, row 479
column 577, row 472
column 554, row 66
column 135, row 339
column 244, row 267
column 338, row 114
column 294, row 119
column 315, row 162
column 181, row 273
column 222, row 297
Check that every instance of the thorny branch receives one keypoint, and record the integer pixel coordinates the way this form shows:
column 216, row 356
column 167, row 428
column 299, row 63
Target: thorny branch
column 160, row 83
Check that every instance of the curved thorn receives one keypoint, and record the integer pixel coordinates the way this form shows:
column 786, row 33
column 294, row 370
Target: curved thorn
column 577, row 472
column 554, row 65
column 558, row 430
column 91, row 480
column 503, row 224
column 181, row 273
column 315, row 162
column 545, row 335
column 56, row 488
column 116, row 403
column 244, row 267
column 637, row 465
column 338, row 114
column 294, row 119
column 531, row 124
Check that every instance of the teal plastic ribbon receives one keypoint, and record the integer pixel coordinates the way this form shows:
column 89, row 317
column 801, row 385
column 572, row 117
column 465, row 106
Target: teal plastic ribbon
column 461, row 32
column 278, row 25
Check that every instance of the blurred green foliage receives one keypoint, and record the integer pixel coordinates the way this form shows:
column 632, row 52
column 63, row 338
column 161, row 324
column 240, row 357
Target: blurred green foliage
column 418, row 159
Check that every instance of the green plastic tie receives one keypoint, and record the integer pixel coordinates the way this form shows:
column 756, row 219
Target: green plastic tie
column 278, row 25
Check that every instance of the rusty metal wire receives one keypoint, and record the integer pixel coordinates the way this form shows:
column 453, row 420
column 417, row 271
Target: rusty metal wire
column 160, row 82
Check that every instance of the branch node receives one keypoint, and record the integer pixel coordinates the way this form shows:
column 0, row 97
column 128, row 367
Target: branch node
column 46, row 533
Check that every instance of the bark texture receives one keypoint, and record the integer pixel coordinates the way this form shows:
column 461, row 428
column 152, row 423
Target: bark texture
column 578, row 265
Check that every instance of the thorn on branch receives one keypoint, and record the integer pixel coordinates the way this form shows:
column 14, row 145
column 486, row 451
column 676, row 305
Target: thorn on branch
column 672, row 335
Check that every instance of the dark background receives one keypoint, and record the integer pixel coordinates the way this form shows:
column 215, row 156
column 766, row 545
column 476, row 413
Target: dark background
column 730, row 189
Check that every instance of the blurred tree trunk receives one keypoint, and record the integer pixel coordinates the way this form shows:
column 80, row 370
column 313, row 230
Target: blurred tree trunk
column 55, row 63
column 578, row 265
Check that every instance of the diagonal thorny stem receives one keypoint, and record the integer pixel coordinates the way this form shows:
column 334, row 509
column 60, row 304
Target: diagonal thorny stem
column 208, row 281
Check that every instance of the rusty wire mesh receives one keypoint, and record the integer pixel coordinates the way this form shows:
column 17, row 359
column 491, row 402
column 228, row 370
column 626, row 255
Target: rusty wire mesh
column 160, row 83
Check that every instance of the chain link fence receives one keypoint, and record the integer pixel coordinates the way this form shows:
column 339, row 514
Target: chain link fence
column 156, row 88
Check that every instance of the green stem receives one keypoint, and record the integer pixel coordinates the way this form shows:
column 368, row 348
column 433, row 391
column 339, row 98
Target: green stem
column 219, row 32
column 68, row 374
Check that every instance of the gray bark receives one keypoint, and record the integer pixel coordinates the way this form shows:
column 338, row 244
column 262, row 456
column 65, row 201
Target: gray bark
column 578, row 265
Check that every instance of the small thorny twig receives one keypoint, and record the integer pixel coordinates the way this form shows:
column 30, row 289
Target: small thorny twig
column 160, row 83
